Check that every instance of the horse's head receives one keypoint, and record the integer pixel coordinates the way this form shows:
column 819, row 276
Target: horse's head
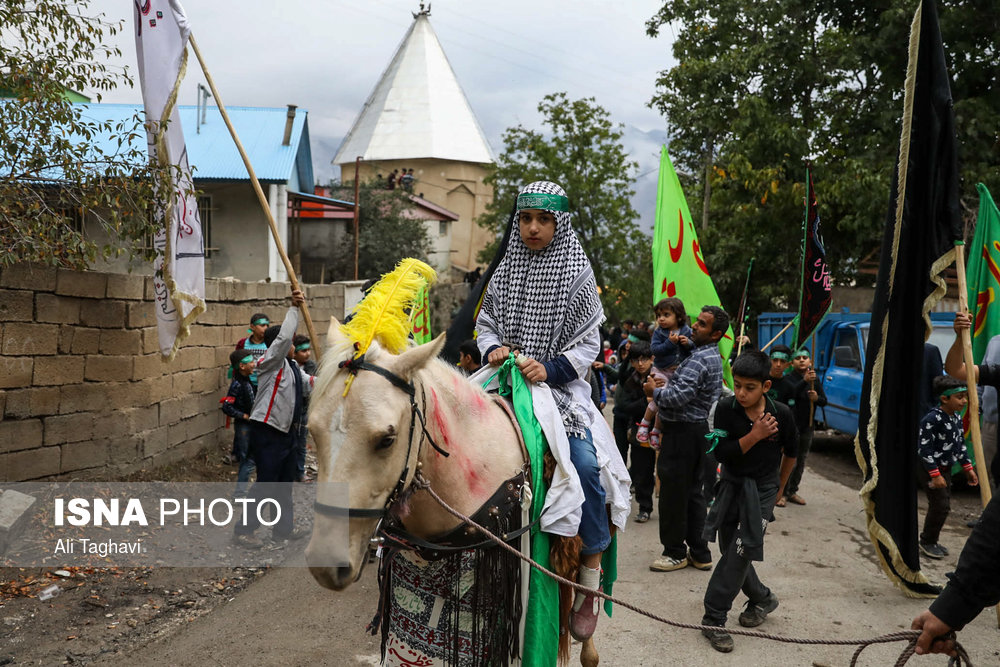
column 361, row 441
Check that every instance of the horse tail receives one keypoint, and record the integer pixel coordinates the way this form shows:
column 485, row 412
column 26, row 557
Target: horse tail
column 564, row 556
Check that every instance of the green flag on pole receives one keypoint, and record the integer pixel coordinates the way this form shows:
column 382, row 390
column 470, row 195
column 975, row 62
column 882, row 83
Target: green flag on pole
column 678, row 267
column 984, row 275
column 420, row 318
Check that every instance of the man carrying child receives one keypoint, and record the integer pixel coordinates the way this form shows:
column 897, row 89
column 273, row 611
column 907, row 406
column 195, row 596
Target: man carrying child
column 755, row 440
column 671, row 344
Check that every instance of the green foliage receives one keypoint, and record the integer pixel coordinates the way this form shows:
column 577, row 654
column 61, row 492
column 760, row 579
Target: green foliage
column 761, row 88
column 386, row 233
column 53, row 176
column 582, row 152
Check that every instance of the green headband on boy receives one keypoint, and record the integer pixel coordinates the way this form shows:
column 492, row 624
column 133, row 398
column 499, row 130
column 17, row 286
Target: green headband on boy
column 632, row 338
column 302, row 346
column 953, row 390
column 780, row 356
column 543, row 201
column 261, row 320
column 247, row 359
column 799, row 354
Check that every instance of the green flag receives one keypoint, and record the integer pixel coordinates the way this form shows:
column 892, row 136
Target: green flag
column 420, row 318
column 678, row 267
column 983, row 274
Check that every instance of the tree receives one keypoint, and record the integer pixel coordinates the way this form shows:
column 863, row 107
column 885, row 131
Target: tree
column 386, row 233
column 582, row 152
column 760, row 88
column 54, row 174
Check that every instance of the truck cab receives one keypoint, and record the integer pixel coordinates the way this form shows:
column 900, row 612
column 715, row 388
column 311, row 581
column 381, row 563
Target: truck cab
column 839, row 358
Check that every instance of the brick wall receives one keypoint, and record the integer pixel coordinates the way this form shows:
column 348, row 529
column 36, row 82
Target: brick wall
column 83, row 392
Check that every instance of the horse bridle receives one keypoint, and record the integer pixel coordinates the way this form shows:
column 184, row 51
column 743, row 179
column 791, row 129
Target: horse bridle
column 353, row 365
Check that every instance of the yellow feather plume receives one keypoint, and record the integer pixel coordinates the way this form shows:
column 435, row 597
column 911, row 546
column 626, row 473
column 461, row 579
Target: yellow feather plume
column 383, row 313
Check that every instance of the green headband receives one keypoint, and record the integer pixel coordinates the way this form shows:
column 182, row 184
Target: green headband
column 632, row 338
column 247, row 359
column 543, row 201
column 259, row 320
column 781, row 356
column 302, row 346
column 953, row 390
column 800, row 353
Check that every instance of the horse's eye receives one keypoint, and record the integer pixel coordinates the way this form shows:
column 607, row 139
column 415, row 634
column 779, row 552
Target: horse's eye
column 386, row 442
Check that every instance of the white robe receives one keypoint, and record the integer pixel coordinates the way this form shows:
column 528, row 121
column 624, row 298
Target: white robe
column 564, row 500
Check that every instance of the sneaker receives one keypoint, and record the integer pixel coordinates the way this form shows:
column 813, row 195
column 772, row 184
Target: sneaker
column 642, row 518
column 668, row 564
column 642, row 433
column 756, row 612
column 583, row 622
column 697, row 564
column 933, row 550
column 720, row 640
column 246, row 541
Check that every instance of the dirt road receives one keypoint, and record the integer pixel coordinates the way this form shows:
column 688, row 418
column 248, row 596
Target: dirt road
column 818, row 561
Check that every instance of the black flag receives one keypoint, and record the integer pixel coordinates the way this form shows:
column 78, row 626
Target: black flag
column 924, row 224
column 464, row 323
column 816, row 285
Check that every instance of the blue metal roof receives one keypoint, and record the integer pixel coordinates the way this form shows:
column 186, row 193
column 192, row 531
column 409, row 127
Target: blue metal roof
column 212, row 152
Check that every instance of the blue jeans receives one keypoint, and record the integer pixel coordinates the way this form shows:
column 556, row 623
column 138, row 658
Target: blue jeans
column 241, row 452
column 594, row 523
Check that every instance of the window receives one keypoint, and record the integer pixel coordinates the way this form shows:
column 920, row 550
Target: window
column 443, row 228
column 205, row 215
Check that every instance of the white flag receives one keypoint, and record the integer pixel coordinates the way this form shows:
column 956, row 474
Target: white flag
column 161, row 34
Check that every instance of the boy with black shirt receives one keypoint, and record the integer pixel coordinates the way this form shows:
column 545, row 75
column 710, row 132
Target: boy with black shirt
column 755, row 440
column 803, row 392
column 781, row 359
column 630, row 406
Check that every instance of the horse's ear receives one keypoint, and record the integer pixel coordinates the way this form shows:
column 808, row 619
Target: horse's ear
column 334, row 335
column 412, row 360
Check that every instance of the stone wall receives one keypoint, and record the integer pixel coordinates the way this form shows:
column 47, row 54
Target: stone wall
column 83, row 391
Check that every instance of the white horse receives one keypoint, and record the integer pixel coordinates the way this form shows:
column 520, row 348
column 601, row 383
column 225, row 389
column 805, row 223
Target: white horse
column 373, row 439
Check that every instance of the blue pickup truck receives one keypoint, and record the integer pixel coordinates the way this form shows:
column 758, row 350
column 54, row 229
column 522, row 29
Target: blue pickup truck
column 839, row 358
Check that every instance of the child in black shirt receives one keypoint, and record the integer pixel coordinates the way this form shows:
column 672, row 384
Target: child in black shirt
column 756, row 441
column 238, row 404
column 803, row 391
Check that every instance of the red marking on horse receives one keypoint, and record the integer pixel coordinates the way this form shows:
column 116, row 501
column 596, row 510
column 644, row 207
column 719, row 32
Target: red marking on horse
column 441, row 423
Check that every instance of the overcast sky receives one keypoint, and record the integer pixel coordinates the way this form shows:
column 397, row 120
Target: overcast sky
column 327, row 57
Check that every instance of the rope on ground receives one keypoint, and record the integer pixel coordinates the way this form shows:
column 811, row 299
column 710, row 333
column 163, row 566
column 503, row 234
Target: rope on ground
column 909, row 636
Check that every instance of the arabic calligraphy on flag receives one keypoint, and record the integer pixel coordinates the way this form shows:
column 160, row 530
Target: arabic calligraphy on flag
column 161, row 34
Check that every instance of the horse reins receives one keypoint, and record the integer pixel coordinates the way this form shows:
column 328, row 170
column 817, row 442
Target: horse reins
column 353, row 365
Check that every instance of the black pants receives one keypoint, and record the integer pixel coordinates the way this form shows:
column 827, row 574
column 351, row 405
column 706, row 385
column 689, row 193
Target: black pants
column 273, row 452
column 681, row 467
column 805, row 444
column 733, row 572
column 938, row 506
column 643, row 462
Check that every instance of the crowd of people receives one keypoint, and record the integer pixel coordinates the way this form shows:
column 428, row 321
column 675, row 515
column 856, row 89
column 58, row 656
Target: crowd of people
column 722, row 459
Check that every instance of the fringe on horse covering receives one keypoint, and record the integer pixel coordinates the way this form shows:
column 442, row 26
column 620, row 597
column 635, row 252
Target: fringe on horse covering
column 463, row 609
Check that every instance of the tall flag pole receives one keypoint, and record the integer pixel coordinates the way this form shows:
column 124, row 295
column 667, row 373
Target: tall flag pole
column 161, row 35
column 918, row 243
column 815, row 290
column 743, row 314
column 678, row 267
column 463, row 325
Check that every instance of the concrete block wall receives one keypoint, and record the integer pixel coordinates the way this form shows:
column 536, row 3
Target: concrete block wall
column 83, row 390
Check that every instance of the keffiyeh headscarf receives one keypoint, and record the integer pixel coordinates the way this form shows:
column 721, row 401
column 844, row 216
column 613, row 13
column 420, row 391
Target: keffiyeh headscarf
column 544, row 301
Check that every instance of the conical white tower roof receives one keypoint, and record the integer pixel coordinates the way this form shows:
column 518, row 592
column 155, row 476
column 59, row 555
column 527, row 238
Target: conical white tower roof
column 417, row 110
